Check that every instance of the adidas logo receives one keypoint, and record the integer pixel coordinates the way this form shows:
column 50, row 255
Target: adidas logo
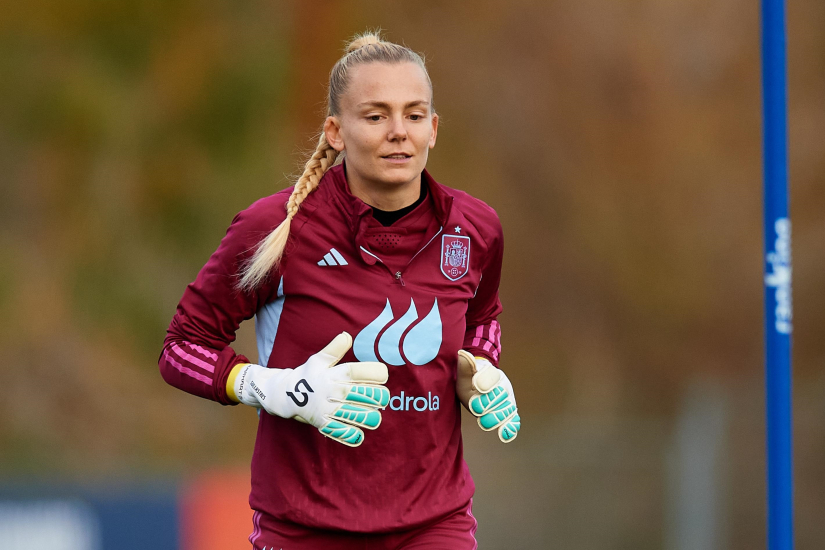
column 333, row 257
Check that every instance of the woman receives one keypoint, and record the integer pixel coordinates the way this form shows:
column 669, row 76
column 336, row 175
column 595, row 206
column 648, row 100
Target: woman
column 372, row 246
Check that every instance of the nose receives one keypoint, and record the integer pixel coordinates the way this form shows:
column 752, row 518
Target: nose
column 397, row 130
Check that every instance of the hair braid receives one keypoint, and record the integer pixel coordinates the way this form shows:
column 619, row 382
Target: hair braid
column 320, row 161
column 271, row 250
column 364, row 48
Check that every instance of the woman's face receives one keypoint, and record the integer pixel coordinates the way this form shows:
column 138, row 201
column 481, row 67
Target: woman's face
column 386, row 125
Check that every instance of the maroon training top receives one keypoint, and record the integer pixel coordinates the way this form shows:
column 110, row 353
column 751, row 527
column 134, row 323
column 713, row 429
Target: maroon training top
column 411, row 294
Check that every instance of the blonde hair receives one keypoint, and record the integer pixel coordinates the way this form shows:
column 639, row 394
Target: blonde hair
column 362, row 49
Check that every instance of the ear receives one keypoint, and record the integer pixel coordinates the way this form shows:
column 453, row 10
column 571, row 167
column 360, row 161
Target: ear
column 332, row 130
column 435, row 130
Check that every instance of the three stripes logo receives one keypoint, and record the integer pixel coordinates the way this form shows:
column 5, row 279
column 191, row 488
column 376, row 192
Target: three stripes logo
column 392, row 343
column 333, row 257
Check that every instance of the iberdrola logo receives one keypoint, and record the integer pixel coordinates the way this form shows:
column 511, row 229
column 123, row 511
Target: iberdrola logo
column 397, row 345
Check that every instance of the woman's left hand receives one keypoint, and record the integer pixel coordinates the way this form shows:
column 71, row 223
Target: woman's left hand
column 488, row 394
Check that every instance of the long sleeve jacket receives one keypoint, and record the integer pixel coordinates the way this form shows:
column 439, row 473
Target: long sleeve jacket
column 411, row 294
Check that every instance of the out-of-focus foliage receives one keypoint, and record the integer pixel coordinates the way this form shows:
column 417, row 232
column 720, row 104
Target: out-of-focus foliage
column 619, row 142
column 130, row 133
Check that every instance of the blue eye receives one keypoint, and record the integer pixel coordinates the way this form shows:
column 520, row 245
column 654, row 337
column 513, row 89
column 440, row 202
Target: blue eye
column 375, row 118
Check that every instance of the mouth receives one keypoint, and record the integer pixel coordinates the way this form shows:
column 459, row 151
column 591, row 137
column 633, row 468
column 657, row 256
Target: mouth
column 397, row 156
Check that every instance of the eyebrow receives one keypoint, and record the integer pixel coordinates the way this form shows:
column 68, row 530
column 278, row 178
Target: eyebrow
column 385, row 105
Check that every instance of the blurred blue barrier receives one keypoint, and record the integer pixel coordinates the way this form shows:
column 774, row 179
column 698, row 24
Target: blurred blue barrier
column 66, row 517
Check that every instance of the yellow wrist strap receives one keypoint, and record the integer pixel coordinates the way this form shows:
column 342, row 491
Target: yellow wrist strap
column 230, row 382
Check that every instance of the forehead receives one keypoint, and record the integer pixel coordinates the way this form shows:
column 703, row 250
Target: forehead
column 399, row 83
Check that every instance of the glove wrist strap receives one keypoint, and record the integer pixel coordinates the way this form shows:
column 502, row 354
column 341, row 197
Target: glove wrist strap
column 241, row 378
column 230, row 382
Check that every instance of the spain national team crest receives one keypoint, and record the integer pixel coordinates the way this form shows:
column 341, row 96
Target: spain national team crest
column 455, row 256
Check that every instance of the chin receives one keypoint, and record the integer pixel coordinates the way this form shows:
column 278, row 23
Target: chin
column 398, row 177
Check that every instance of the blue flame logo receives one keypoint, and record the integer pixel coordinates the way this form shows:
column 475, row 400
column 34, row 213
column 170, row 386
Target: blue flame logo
column 419, row 347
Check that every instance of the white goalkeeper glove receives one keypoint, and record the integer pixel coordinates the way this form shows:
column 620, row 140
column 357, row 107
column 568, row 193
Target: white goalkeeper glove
column 336, row 399
column 488, row 394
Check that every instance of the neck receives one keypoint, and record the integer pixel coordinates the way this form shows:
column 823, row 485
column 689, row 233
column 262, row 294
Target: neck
column 386, row 196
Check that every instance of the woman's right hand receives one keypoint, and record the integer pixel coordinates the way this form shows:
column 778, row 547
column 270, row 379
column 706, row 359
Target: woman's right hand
column 338, row 399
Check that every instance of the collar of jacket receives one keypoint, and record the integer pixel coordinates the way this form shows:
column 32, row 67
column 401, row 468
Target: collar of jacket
column 356, row 209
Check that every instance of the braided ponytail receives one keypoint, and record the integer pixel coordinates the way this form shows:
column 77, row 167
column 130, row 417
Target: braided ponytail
column 271, row 249
column 364, row 48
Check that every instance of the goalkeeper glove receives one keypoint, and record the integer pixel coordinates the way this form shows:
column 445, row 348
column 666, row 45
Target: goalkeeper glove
column 336, row 399
column 488, row 394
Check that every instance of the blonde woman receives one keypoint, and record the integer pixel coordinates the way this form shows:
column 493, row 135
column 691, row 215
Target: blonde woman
column 372, row 247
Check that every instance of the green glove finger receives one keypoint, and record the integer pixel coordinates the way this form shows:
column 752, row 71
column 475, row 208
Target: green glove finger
column 509, row 430
column 497, row 416
column 376, row 396
column 360, row 416
column 342, row 433
column 481, row 404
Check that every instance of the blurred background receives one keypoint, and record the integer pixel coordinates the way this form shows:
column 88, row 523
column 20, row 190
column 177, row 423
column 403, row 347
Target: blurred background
column 620, row 143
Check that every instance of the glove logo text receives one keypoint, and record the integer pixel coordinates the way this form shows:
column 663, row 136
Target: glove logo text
column 305, row 400
column 420, row 345
column 257, row 390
